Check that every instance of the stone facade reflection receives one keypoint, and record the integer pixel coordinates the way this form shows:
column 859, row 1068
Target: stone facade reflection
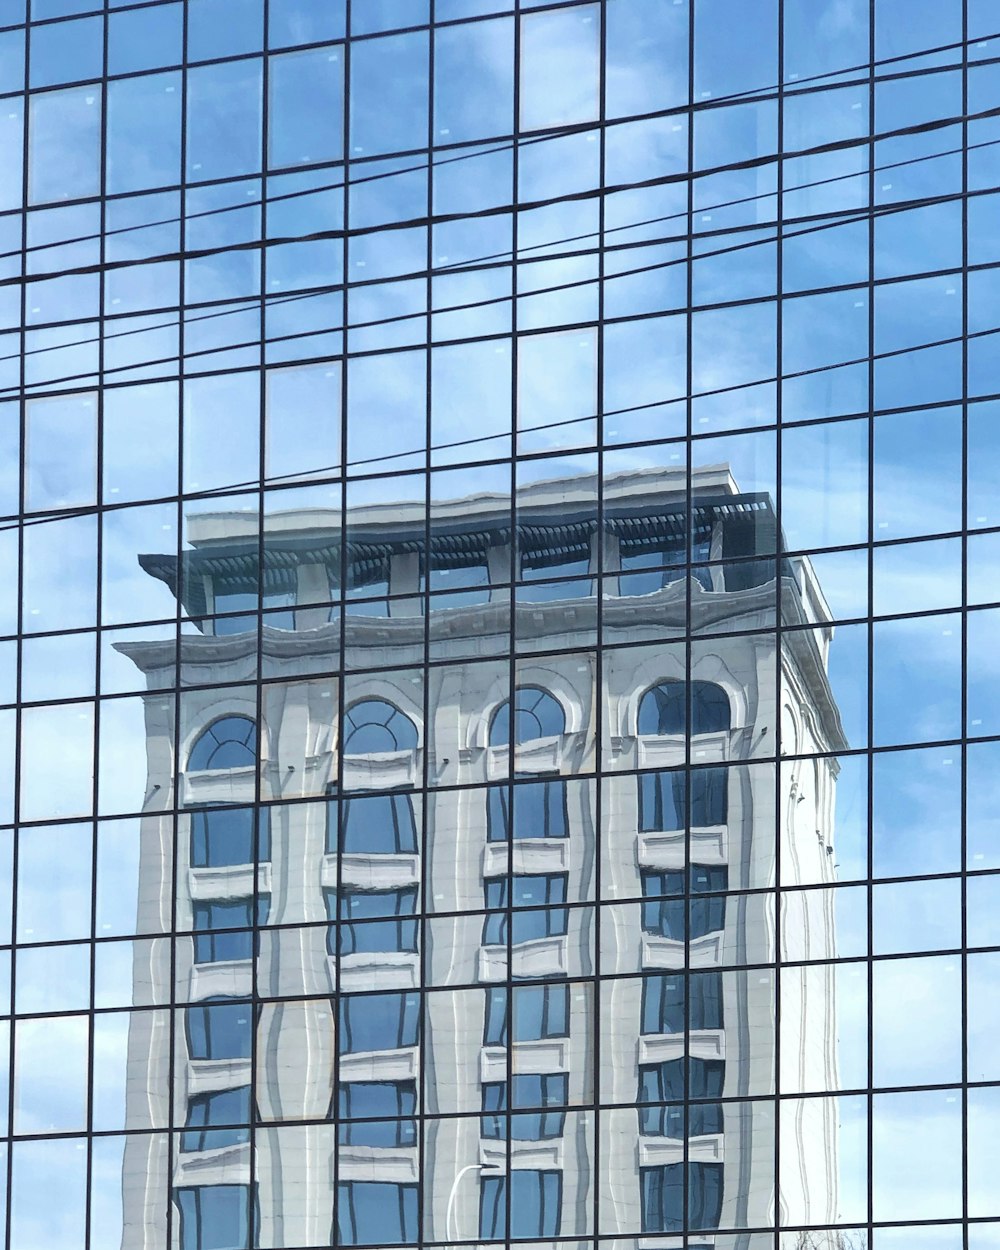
column 451, row 971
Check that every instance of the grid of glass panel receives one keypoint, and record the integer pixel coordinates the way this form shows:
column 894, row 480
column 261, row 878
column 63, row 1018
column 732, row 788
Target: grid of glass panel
column 499, row 710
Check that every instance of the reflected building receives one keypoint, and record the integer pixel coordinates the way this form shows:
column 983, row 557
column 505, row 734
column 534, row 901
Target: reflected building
column 472, row 912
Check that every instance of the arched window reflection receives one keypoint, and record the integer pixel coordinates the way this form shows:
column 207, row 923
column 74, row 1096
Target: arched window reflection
column 663, row 708
column 374, row 725
column 231, row 742
column 537, row 714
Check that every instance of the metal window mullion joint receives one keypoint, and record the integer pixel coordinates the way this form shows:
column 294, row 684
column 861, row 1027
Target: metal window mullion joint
column 428, row 738
column 688, row 546
column 336, row 1010
column 515, row 554
column 963, row 833
column 601, row 541
column 870, row 628
column 99, row 621
column 176, row 1053
column 778, row 678
column 19, row 684
column 259, row 1023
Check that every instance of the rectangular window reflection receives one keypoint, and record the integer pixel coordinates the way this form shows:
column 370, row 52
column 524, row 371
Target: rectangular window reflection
column 372, row 824
column 223, row 931
column 663, row 1083
column 220, row 1029
column 665, row 799
column 535, row 1202
column 229, row 1107
column 536, row 892
column 548, row 1089
column 215, row 1217
column 539, row 810
column 668, row 913
column 540, row 1011
column 223, row 837
column 383, row 914
column 377, row 1113
column 663, row 1197
column 377, row 1213
column 665, row 996
column 649, row 563
column 378, row 1022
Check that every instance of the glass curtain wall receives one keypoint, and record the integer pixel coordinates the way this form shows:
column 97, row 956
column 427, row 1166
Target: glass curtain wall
column 499, row 711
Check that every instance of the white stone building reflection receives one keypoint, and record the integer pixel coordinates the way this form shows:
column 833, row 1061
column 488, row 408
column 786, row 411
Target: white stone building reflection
column 586, row 848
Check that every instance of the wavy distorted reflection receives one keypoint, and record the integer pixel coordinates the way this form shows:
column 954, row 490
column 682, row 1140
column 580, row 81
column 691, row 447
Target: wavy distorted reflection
column 489, row 948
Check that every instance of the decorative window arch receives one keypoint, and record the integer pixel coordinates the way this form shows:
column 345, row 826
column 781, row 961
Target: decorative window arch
column 663, row 709
column 229, row 742
column 373, row 725
column 537, row 714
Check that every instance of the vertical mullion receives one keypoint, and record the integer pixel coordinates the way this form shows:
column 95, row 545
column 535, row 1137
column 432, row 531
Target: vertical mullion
column 178, row 1012
column 343, row 574
column 597, row 693
column 869, row 628
column 427, row 707
column 19, row 712
column 778, row 779
column 515, row 565
column 259, row 1024
column 689, row 551
column 98, row 616
column 963, row 757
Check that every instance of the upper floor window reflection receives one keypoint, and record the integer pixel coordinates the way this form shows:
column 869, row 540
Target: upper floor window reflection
column 665, row 996
column 539, row 1012
column 371, row 824
column 228, row 1107
column 663, row 709
column 235, row 597
column 663, row 1196
column 673, row 799
column 534, row 1090
column 456, row 564
column 539, row 810
column 219, row 1029
column 378, row 1021
column 648, row 563
column 380, row 1213
column 662, row 1095
column 666, row 911
column 387, row 917
column 537, row 893
column 537, row 714
column 384, row 1111
column 550, row 551
column 215, row 1217
column 535, row 1199
column 367, row 578
column 222, row 837
column 229, row 742
column 224, row 930
column 373, row 726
